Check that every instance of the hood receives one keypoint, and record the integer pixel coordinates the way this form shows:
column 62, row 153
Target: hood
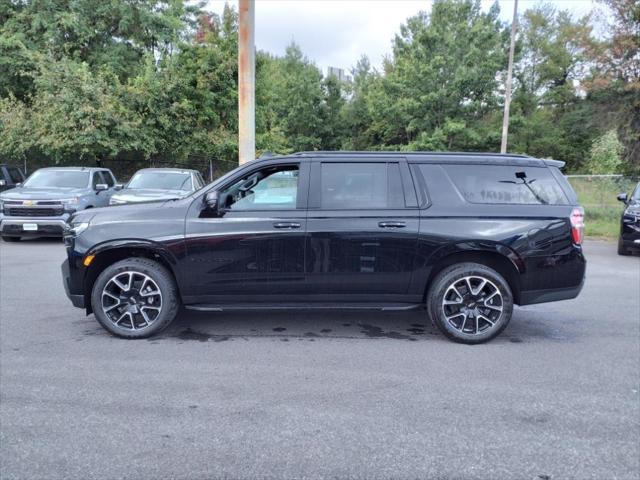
column 26, row 193
column 137, row 195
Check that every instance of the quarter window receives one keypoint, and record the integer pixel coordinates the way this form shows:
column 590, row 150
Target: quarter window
column 507, row 184
column 360, row 186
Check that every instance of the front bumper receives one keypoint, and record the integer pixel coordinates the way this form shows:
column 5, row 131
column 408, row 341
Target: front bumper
column 45, row 226
column 76, row 300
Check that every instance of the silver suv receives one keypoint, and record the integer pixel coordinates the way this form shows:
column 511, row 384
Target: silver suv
column 41, row 205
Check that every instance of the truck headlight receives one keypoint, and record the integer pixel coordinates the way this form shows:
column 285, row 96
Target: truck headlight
column 70, row 203
column 76, row 229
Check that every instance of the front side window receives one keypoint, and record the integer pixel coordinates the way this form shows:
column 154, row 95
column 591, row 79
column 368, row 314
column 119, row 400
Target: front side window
column 108, row 178
column 273, row 188
column 16, row 176
column 360, row 186
column 161, row 181
column 508, row 184
column 58, row 179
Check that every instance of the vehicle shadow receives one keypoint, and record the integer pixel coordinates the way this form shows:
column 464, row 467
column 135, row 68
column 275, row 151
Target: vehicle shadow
column 359, row 325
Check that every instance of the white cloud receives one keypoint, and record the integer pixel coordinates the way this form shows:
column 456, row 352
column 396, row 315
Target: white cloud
column 337, row 32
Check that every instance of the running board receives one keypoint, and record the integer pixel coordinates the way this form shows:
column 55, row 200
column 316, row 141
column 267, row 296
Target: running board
column 305, row 306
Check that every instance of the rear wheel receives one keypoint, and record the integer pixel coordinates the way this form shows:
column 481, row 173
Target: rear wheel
column 135, row 298
column 10, row 239
column 470, row 303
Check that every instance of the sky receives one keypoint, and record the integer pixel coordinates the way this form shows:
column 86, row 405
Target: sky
column 337, row 32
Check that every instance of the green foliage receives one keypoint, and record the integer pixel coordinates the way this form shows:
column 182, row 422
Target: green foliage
column 605, row 154
column 156, row 80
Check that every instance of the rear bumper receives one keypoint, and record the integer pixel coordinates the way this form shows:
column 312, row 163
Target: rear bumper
column 551, row 295
column 46, row 226
column 76, row 299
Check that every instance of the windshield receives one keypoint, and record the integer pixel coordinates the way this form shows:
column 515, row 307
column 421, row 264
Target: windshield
column 636, row 194
column 161, row 181
column 58, row 179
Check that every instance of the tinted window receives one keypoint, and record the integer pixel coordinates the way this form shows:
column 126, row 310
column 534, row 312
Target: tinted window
column 108, row 178
column 14, row 173
column 271, row 188
column 506, row 184
column 161, row 180
column 97, row 179
column 360, row 186
column 58, row 178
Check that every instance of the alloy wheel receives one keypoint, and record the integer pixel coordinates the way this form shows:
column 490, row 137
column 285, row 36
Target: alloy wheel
column 472, row 305
column 131, row 300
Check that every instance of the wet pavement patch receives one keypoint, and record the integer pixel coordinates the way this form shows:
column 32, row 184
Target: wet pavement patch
column 346, row 324
column 325, row 330
column 515, row 340
column 189, row 334
column 311, row 334
column 372, row 331
column 279, row 329
column 416, row 331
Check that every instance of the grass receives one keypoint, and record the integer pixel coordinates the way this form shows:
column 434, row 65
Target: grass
column 598, row 197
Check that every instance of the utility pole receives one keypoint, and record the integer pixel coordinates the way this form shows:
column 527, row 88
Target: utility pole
column 507, row 94
column 246, row 81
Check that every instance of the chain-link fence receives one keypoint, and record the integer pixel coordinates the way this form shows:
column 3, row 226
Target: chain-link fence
column 597, row 194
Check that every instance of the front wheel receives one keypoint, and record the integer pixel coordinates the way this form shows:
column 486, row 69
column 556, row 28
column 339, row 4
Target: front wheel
column 135, row 298
column 470, row 303
column 622, row 250
column 10, row 239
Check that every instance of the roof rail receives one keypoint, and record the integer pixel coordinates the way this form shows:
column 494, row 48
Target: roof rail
column 412, row 153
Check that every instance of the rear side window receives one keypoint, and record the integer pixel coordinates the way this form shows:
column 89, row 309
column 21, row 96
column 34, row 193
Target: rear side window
column 360, row 186
column 499, row 184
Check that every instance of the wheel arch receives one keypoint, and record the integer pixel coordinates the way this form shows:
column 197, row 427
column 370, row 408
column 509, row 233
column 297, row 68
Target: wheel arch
column 496, row 256
column 107, row 254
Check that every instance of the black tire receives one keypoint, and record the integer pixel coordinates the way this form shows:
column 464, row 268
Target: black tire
column 139, row 268
column 10, row 239
column 470, row 321
column 621, row 249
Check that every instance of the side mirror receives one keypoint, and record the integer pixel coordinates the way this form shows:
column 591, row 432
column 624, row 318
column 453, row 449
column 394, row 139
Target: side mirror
column 19, row 184
column 3, row 183
column 118, row 186
column 622, row 198
column 211, row 200
column 102, row 186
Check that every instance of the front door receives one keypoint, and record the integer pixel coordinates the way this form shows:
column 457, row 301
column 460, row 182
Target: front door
column 362, row 229
column 253, row 249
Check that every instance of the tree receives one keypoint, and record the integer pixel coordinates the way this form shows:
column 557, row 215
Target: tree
column 605, row 154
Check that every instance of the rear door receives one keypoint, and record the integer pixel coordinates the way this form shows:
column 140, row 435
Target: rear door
column 362, row 229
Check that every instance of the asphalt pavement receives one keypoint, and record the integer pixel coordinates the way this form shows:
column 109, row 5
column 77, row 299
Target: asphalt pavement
column 318, row 395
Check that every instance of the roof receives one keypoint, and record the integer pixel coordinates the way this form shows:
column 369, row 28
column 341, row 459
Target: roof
column 430, row 157
column 163, row 169
column 88, row 169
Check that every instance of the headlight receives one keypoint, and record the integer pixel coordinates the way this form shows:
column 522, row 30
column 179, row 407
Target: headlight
column 633, row 211
column 70, row 202
column 76, row 229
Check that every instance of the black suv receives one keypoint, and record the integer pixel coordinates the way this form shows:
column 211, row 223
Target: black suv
column 465, row 235
column 629, row 239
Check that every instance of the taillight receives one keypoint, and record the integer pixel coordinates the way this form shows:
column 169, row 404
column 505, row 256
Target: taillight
column 577, row 225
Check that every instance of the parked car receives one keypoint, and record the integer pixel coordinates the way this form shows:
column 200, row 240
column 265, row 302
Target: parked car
column 41, row 206
column 10, row 177
column 465, row 235
column 158, row 184
column 629, row 239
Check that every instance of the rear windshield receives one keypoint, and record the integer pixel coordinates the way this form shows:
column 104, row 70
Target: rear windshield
column 498, row 184
column 161, row 180
column 58, row 179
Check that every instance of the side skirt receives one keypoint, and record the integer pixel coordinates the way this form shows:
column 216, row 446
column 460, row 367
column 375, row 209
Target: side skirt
column 304, row 306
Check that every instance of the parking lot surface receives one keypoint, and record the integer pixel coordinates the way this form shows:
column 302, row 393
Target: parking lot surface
column 317, row 395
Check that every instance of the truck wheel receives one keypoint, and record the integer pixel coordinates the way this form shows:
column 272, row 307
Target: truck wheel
column 10, row 239
column 470, row 303
column 621, row 249
column 135, row 298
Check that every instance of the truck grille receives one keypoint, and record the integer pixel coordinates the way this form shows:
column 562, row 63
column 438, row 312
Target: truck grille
column 36, row 211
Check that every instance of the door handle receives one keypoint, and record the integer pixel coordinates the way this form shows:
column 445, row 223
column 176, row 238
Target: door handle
column 392, row 224
column 286, row 225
